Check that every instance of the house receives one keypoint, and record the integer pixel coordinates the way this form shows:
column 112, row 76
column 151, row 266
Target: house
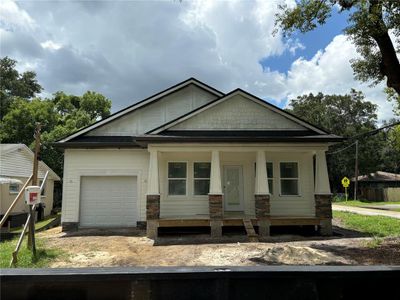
column 379, row 186
column 16, row 165
column 194, row 156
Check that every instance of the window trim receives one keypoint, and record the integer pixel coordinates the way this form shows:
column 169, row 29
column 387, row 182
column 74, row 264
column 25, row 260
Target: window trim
column 13, row 192
column 270, row 178
column 285, row 178
column 209, row 179
column 186, row 179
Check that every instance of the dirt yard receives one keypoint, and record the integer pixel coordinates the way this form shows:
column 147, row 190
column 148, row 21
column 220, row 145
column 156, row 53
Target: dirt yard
column 101, row 248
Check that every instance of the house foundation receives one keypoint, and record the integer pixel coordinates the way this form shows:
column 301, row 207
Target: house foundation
column 323, row 210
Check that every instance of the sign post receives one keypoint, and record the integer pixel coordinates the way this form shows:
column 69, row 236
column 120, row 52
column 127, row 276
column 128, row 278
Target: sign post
column 345, row 183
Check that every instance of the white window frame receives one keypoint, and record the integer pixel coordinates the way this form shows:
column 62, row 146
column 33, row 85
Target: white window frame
column 14, row 192
column 186, row 179
column 284, row 178
column 209, row 179
column 270, row 178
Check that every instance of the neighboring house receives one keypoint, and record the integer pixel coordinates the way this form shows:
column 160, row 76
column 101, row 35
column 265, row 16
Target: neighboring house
column 194, row 156
column 379, row 186
column 16, row 165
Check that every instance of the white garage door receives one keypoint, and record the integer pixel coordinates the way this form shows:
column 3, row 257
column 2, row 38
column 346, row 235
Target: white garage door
column 108, row 201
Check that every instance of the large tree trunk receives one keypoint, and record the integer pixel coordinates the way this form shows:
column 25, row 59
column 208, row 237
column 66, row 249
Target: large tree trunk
column 389, row 65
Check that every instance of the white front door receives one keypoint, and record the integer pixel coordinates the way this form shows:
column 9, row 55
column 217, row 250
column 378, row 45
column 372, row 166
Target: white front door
column 233, row 188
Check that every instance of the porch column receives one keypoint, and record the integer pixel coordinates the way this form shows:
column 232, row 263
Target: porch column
column 322, row 194
column 261, row 194
column 215, row 196
column 153, row 196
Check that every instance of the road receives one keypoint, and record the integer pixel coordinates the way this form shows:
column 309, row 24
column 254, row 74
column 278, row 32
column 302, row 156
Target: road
column 366, row 211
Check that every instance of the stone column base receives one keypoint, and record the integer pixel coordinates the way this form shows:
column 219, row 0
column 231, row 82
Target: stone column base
column 216, row 228
column 152, row 207
column 69, row 226
column 323, row 206
column 215, row 206
column 152, row 229
column 262, row 206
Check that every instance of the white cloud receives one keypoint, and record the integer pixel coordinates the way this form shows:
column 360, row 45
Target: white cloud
column 130, row 50
column 50, row 45
column 330, row 72
column 13, row 17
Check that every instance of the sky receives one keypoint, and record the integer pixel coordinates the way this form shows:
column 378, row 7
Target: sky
column 129, row 50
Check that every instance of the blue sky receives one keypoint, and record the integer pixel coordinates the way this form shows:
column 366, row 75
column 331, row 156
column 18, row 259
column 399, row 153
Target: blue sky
column 313, row 41
column 129, row 50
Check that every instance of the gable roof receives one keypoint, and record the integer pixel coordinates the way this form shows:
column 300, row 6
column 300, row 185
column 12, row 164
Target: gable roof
column 247, row 95
column 142, row 103
column 13, row 149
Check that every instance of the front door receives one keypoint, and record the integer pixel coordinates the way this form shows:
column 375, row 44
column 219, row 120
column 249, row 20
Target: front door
column 233, row 188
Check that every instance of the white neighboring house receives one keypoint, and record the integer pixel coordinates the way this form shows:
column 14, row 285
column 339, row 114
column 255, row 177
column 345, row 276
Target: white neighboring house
column 16, row 165
column 194, row 156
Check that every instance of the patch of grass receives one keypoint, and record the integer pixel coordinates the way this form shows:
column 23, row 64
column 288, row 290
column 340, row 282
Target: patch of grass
column 365, row 203
column 44, row 255
column 375, row 242
column 378, row 226
column 38, row 225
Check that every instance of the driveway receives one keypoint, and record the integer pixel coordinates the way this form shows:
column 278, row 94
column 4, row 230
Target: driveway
column 366, row 211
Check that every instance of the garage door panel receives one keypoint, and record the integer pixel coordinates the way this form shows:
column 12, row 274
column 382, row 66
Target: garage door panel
column 108, row 201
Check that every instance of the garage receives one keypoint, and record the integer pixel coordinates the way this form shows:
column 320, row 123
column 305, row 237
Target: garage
column 108, row 201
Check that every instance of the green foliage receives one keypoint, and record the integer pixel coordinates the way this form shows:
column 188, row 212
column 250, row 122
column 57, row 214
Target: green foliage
column 369, row 24
column 378, row 226
column 43, row 259
column 60, row 115
column 14, row 85
column 349, row 115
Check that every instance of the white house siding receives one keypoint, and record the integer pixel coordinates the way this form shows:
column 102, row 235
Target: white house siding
column 18, row 163
column 237, row 113
column 302, row 205
column 6, row 198
column 157, row 113
column 99, row 162
column 188, row 205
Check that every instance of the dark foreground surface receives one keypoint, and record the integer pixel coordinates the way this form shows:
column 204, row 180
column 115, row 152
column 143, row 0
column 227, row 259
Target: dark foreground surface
column 267, row 282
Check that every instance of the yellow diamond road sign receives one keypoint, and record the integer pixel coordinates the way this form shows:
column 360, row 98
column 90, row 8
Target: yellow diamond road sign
column 345, row 182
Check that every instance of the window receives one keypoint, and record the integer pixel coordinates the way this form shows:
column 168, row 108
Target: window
column 289, row 178
column 44, row 188
column 201, row 177
column 13, row 188
column 177, row 174
column 270, row 174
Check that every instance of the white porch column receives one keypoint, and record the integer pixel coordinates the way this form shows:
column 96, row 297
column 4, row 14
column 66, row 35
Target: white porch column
column 321, row 174
column 261, row 185
column 153, row 182
column 215, row 176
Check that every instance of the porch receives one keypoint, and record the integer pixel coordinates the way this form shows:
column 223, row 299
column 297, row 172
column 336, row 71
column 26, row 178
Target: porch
column 244, row 186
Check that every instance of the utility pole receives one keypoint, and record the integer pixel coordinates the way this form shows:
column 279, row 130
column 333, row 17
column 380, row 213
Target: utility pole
column 356, row 173
column 31, row 237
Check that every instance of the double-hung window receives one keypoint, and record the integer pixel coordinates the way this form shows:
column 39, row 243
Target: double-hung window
column 201, row 177
column 289, row 177
column 177, row 177
column 270, row 174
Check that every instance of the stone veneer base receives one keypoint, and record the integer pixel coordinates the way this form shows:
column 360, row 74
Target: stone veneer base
column 152, row 207
column 215, row 206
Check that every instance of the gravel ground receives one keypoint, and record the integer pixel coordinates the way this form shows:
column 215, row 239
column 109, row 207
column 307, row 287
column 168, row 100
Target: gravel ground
column 105, row 248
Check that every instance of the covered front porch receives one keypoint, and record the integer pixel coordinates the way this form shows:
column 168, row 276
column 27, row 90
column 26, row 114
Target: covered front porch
column 236, row 185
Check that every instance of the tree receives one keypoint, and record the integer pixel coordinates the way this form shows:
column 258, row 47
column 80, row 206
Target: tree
column 348, row 115
column 373, row 26
column 60, row 116
column 14, row 85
